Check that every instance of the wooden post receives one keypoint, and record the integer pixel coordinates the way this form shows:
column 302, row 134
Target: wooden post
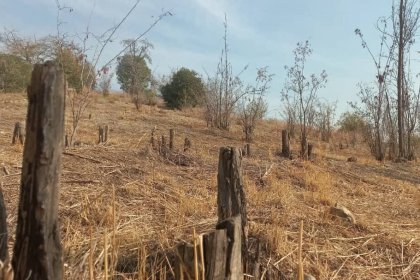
column 37, row 251
column 171, row 139
column 4, row 255
column 152, row 138
column 310, row 150
column 100, row 134
column 106, row 133
column 187, row 144
column 17, row 134
column 248, row 150
column 230, row 190
column 285, row 143
column 223, row 251
column 163, row 142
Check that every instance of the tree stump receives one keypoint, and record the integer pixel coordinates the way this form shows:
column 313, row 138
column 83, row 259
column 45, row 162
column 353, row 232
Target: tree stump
column 152, row 138
column 231, row 199
column 37, row 250
column 171, row 139
column 247, row 150
column 17, row 134
column 285, row 143
column 187, row 144
column 4, row 255
column 100, row 134
column 106, row 133
column 221, row 254
column 310, row 150
column 304, row 148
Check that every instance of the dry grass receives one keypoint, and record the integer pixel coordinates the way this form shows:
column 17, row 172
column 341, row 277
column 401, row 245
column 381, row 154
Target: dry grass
column 127, row 197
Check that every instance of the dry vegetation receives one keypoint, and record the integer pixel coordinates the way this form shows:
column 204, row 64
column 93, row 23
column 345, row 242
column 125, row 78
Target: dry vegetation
column 145, row 204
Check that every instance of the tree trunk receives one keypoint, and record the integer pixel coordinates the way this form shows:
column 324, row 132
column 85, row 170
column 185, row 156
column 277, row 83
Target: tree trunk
column 400, row 83
column 37, row 250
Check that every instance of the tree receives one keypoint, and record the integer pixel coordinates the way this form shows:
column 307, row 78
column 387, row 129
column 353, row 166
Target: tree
column 133, row 74
column 352, row 123
column 324, row 117
column 304, row 88
column 223, row 91
column 104, row 84
column 185, row 89
column 406, row 24
column 253, row 106
column 15, row 73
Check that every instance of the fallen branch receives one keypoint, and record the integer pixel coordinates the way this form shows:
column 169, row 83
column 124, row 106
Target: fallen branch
column 82, row 157
column 82, row 181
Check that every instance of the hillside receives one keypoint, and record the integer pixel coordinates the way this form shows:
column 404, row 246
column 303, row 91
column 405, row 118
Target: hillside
column 159, row 202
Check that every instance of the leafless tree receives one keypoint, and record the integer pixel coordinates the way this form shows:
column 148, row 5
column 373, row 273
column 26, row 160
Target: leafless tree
column 324, row 119
column 304, row 88
column 405, row 20
column 253, row 105
column 89, row 41
column 224, row 91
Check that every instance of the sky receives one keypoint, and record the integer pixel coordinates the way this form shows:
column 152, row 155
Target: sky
column 260, row 33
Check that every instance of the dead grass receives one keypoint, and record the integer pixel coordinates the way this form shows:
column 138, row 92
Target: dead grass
column 157, row 203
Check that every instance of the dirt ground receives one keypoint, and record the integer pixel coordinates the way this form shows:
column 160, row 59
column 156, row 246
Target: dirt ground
column 144, row 202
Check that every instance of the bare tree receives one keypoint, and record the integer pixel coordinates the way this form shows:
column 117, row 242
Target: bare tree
column 253, row 106
column 305, row 89
column 324, row 119
column 405, row 23
column 224, row 91
column 79, row 100
column 373, row 113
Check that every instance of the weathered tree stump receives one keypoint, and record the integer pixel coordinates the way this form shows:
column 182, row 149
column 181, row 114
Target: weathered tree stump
column 304, row 148
column 152, row 138
column 171, row 139
column 4, row 255
column 310, row 150
column 100, row 134
column 66, row 141
column 247, row 150
column 231, row 199
column 187, row 144
column 37, row 250
column 103, row 132
column 163, row 142
column 106, row 133
column 221, row 254
column 285, row 143
column 17, row 134
column 223, row 250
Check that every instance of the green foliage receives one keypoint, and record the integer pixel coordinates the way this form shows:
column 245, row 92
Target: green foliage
column 79, row 72
column 185, row 89
column 133, row 74
column 351, row 122
column 15, row 73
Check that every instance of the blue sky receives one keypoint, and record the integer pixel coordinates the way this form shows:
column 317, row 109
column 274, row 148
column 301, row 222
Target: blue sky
column 260, row 33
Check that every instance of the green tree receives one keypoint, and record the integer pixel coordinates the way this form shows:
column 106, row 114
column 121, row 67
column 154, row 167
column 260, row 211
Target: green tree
column 15, row 73
column 352, row 123
column 185, row 89
column 133, row 73
column 79, row 72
